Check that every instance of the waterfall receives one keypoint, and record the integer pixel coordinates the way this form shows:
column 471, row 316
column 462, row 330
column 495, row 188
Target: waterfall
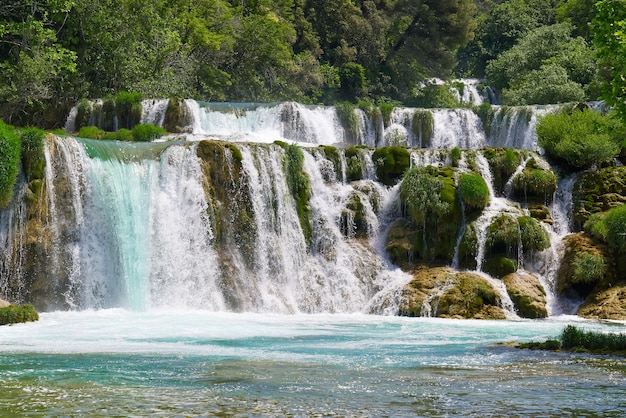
column 12, row 241
column 514, row 127
column 457, row 128
column 152, row 111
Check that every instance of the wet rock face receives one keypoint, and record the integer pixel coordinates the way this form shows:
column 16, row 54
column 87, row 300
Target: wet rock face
column 609, row 303
column 445, row 293
column 527, row 294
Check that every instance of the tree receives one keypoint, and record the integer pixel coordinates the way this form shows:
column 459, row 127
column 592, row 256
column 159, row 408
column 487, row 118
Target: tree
column 609, row 31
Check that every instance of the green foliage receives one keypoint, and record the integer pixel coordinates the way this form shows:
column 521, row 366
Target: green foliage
column 573, row 338
column 354, row 163
column 432, row 94
column 503, row 162
column 503, row 235
column 353, row 81
column 596, row 226
column 386, row 109
column 486, row 113
column 299, row 186
column 147, row 132
column 14, row 314
column 581, row 139
column 588, row 267
column 455, row 155
column 33, row 160
column 91, row 132
column 83, row 113
column 615, row 222
column 391, row 163
column 473, row 190
column 609, row 37
column 533, row 236
column 9, row 162
column 546, row 66
column 420, row 192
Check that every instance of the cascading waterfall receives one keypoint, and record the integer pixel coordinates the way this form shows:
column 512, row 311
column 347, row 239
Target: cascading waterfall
column 12, row 241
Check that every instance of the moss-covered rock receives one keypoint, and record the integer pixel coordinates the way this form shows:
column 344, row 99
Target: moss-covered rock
column 499, row 266
column 445, row 293
column 503, row 162
column 503, row 236
column 434, row 209
column 402, row 244
column 423, row 125
column 177, row 116
column 536, row 184
column 355, row 164
column 598, row 191
column 533, row 236
column 587, row 265
column 527, row 294
column 353, row 221
column 541, row 213
column 391, row 163
column 474, row 191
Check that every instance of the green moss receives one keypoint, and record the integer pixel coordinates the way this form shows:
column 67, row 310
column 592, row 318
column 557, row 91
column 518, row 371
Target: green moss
column 455, row 155
column 128, row 109
column 534, row 237
column 615, row 221
column 353, row 221
column 535, row 184
column 485, row 113
column 474, row 191
column 332, row 154
column 598, row 191
column 386, row 109
column 391, row 163
column 91, row 132
column 467, row 298
column 355, row 164
column 348, row 118
column 299, row 186
column 503, row 235
column 423, row 125
column 234, row 151
column 9, row 162
column 503, row 162
column 15, row 314
column 33, row 159
column 499, row 266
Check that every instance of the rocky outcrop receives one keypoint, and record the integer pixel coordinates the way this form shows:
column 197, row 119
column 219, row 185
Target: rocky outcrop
column 599, row 191
column 527, row 294
column 607, row 303
column 445, row 293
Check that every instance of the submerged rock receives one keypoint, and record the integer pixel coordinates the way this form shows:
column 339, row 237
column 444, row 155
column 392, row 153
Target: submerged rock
column 445, row 293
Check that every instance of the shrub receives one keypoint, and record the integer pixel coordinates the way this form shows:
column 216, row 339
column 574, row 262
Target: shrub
column 536, row 183
column 348, row 118
column 455, row 155
column 615, row 222
column 33, row 159
column 9, row 162
column 503, row 234
column 15, row 314
column 147, row 132
column 352, row 78
column 386, row 109
column 473, row 190
column 354, row 164
column 91, row 132
column 582, row 138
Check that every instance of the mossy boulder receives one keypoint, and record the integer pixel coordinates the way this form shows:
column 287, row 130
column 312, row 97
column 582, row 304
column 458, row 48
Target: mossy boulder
column 503, row 236
column 541, row 213
column 402, row 244
column 527, row 294
column 434, row 210
column 536, row 184
column 533, row 236
column 355, row 164
column 474, row 191
column 598, row 191
column 445, row 293
column 587, row 265
column 503, row 162
column 391, row 163
column 499, row 266
column 178, row 117
column 353, row 221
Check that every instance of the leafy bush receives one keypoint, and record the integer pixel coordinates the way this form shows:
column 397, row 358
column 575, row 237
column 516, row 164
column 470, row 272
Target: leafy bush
column 420, row 191
column 9, row 162
column 473, row 190
column 582, row 138
column 15, row 314
column 615, row 222
column 548, row 84
column 147, row 132
column 352, row 78
column 33, row 159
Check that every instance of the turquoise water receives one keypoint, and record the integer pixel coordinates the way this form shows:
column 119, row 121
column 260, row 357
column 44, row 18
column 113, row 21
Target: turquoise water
column 197, row 363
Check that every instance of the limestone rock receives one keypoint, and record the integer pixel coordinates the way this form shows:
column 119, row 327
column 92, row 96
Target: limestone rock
column 527, row 294
column 608, row 303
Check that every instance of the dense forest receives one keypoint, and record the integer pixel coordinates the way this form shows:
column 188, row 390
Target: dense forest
column 55, row 52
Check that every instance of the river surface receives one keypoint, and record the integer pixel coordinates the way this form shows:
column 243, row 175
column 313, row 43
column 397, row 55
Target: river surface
column 198, row 363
